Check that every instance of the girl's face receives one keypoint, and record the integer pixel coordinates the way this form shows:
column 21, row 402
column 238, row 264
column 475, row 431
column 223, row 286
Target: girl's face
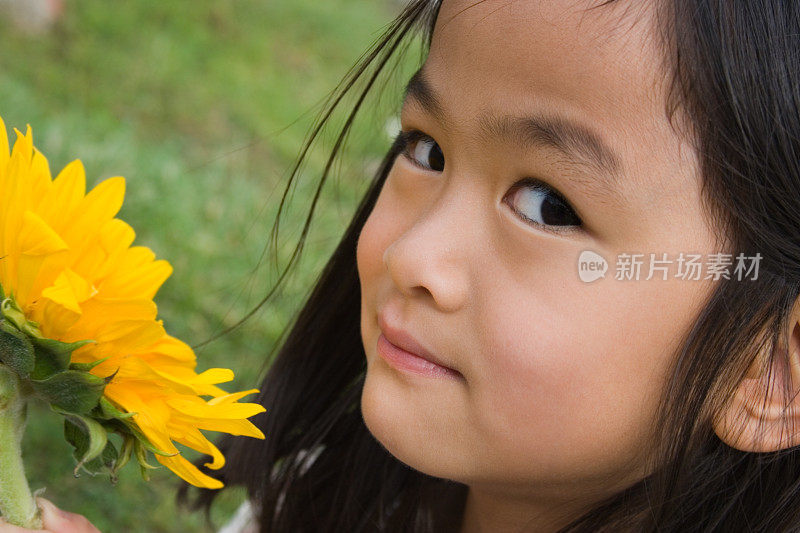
column 557, row 379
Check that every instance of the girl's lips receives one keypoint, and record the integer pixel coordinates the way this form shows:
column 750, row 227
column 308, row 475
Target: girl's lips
column 406, row 341
column 403, row 360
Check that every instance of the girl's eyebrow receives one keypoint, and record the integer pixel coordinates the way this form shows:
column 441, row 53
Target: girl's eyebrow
column 575, row 140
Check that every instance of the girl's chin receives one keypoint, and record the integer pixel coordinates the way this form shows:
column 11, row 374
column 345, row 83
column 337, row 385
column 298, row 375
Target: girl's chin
column 390, row 417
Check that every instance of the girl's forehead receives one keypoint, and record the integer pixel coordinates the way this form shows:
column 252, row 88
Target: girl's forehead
column 602, row 66
column 599, row 58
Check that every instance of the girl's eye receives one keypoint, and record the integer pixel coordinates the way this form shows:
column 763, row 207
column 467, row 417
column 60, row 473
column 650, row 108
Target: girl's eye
column 421, row 150
column 541, row 205
column 533, row 200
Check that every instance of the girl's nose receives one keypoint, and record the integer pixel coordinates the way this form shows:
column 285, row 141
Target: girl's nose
column 432, row 256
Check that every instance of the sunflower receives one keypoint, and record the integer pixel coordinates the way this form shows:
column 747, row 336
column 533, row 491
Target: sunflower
column 79, row 296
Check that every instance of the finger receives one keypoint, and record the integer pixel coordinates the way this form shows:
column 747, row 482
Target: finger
column 5, row 527
column 57, row 520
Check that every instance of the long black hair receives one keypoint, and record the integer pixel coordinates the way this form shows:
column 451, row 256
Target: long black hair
column 734, row 73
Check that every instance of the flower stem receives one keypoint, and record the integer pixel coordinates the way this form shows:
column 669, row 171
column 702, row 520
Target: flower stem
column 17, row 505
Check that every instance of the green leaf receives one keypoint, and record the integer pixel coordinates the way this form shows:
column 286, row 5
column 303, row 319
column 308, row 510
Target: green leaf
column 71, row 391
column 16, row 350
column 88, row 438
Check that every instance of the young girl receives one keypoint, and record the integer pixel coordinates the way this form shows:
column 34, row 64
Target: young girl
column 455, row 370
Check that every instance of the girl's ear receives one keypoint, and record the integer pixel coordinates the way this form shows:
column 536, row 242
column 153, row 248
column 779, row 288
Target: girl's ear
column 759, row 417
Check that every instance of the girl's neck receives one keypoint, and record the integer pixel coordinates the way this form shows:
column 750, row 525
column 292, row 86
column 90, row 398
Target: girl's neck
column 487, row 511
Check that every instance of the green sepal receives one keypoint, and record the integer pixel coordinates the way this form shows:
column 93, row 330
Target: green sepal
column 53, row 356
column 86, row 366
column 11, row 311
column 16, row 350
column 107, row 411
column 134, row 441
column 109, row 460
column 71, row 391
column 104, row 463
column 125, row 453
column 141, row 457
column 87, row 436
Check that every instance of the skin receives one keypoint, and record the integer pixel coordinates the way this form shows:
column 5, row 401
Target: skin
column 560, row 379
column 54, row 520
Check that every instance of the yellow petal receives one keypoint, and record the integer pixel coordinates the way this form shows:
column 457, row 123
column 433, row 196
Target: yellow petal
column 96, row 208
column 41, row 181
column 150, row 417
column 36, row 241
column 138, row 275
column 24, row 144
column 133, row 368
column 3, row 146
column 68, row 290
column 234, row 427
column 98, row 309
column 55, row 320
column 114, row 238
column 200, row 409
column 193, row 438
column 117, row 337
column 14, row 199
column 172, row 348
column 65, row 195
column 189, row 472
column 228, row 398
column 37, row 238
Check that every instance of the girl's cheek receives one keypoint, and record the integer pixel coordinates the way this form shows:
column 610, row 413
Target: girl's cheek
column 366, row 250
column 394, row 211
column 374, row 239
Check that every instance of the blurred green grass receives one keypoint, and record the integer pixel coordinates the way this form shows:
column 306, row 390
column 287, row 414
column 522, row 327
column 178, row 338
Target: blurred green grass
column 203, row 107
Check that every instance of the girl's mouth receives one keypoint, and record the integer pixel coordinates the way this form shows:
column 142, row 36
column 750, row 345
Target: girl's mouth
column 410, row 362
